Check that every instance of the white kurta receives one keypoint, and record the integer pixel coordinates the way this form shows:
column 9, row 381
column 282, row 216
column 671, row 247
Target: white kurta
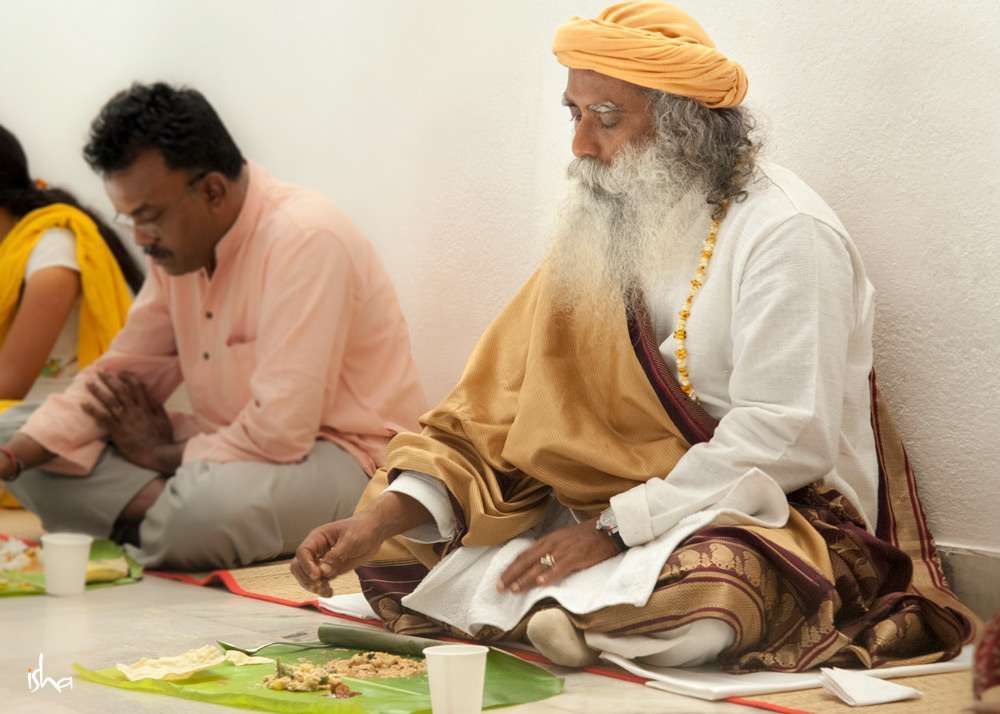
column 779, row 350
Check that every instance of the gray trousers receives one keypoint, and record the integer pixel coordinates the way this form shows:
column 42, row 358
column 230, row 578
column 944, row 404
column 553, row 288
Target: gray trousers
column 209, row 515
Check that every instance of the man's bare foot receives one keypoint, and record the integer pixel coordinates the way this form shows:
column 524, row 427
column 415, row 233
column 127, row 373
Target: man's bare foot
column 558, row 639
column 136, row 509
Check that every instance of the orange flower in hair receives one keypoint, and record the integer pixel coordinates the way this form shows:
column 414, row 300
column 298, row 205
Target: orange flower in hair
column 41, row 184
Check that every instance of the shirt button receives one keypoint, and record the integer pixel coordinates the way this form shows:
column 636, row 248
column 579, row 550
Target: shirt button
column 208, row 315
column 205, row 355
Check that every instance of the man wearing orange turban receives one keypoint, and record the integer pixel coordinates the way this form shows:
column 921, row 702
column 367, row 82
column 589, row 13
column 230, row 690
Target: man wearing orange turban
column 653, row 45
column 663, row 448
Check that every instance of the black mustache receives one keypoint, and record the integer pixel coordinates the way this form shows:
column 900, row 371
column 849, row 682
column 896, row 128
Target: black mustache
column 155, row 252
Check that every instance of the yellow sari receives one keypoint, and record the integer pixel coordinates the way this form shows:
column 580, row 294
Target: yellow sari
column 106, row 296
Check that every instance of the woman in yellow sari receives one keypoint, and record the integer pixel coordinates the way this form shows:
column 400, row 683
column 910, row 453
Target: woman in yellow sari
column 66, row 284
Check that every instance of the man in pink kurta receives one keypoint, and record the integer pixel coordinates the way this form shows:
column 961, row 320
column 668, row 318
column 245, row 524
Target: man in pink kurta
column 278, row 318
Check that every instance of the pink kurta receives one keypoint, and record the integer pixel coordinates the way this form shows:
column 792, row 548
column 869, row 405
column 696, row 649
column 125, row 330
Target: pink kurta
column 297, row 336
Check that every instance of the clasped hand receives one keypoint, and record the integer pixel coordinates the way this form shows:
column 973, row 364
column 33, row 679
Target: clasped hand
column 136, row 423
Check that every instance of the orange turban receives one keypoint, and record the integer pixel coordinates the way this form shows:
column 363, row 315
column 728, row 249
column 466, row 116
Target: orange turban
column 654, row 45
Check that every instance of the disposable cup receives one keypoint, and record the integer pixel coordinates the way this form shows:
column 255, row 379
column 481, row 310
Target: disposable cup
column 456, row 674
column 64, row 559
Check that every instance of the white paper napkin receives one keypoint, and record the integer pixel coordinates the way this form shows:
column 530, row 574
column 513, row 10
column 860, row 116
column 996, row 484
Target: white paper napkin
column 709, row 682
column 858, row 689
column 353, row 604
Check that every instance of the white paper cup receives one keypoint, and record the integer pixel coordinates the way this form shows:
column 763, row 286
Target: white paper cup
column 456, row 674
column 64, row 558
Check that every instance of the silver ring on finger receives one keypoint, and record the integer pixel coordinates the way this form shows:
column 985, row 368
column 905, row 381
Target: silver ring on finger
column 547, row 561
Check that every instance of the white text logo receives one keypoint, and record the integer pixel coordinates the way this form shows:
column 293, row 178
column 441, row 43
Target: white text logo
column 37, row 679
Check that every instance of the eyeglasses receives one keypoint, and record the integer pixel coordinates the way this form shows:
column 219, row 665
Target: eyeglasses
column 151, row 226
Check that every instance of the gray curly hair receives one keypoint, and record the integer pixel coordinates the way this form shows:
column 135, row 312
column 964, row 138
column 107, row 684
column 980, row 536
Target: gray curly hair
column 713, row 145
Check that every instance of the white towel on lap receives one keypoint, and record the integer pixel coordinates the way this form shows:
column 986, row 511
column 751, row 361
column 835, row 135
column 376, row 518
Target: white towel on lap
column 461, row 589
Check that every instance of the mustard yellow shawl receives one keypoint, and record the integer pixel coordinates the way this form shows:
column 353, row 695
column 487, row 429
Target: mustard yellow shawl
column 549, row 402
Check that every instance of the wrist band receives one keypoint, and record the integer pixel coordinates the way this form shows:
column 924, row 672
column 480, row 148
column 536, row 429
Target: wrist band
column 617, row 538
column 12, row 457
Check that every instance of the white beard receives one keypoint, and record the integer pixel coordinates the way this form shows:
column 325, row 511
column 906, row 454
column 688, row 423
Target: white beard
column 634, row 225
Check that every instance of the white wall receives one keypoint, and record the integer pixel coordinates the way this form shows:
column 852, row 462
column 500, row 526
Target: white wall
column 437, row 126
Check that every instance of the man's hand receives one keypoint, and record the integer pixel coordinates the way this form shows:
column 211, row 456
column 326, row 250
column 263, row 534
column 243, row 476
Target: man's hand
column 26, row 450
column 8, row 468
column 333, row 549
column 136, row 423
column 572, row 548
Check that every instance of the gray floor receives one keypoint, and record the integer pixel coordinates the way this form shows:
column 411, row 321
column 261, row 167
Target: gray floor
column 158, row 617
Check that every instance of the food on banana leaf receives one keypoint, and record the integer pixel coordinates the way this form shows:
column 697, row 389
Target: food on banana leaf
column 310, row 677
column 15, row 554
column 14, row 585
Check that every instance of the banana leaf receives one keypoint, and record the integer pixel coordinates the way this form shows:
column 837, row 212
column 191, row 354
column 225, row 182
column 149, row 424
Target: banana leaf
column 509, row 681
column 17, row 582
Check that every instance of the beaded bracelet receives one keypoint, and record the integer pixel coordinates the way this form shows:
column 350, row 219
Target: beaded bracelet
column 18, row 464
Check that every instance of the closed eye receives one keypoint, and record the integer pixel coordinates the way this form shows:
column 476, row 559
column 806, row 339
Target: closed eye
column 149, row 218
column 609, row 120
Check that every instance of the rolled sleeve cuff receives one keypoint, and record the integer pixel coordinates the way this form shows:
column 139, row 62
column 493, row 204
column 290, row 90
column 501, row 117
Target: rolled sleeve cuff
column 631, row 511
column 432, row 495
column 59, row 429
